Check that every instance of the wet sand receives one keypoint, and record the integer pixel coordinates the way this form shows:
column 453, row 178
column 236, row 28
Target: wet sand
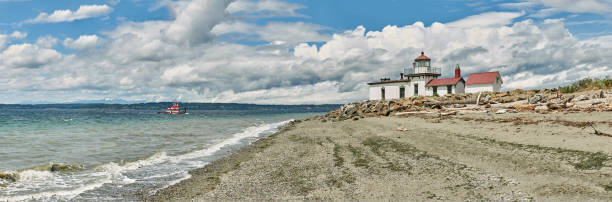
column 521, row 156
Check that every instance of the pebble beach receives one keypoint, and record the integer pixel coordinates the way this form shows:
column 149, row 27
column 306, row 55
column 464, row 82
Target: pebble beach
column 473, row 156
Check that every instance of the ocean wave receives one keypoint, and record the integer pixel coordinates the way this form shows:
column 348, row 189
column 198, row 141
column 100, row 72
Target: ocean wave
column 44, row 170
column 40, row 177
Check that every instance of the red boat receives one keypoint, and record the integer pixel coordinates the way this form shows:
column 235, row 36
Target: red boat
column 175, row 109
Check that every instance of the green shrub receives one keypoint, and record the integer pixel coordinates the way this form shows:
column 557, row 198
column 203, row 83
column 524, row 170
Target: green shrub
column 587, row 83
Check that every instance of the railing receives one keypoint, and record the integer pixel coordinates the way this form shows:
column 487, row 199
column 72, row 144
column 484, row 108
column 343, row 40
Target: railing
column 423, row 70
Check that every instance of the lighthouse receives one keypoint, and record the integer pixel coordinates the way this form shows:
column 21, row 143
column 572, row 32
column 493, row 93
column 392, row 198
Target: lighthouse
column 421, row 73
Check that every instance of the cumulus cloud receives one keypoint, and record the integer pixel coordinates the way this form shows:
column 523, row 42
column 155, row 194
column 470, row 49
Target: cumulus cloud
column 84, row 12
column 165, row 60
column 28, row 56
column 194, row 22
column 6, row 38
column 46, row 41
column 82, row 43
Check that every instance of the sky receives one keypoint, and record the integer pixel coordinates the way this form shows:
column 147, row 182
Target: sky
column 286, row 51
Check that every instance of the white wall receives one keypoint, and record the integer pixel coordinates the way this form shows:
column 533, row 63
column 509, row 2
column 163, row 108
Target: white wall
column 375, row 92
column 422, row 81
column 478, row 88
column 491, row 87
column 392, row 90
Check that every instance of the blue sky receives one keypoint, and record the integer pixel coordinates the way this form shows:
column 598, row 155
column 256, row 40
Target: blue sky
column 206, row 50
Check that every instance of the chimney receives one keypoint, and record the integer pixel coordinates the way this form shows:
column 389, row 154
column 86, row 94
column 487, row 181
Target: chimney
column 401, row 76
column 457, row 71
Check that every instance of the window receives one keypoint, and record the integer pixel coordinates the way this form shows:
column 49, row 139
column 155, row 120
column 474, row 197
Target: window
column 416, row 89
column 435, row 89
column 449, row 89
column 382, row 93
column 402, row 92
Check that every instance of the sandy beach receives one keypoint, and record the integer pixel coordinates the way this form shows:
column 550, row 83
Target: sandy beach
column 485, row 156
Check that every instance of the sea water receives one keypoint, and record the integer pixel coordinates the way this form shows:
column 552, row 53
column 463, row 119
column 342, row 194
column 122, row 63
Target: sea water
column 118, row 154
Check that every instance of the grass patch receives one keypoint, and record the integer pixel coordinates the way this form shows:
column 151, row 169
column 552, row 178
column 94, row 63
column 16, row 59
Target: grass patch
column 591, row 161
column 379, row 144
column 338, row 160
column 581, row 160
column 338, row 181
column 361, row 160
column 608, row 187
column 307, row 140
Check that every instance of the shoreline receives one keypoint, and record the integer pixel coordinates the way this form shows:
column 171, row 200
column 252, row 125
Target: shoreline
column 371, row 158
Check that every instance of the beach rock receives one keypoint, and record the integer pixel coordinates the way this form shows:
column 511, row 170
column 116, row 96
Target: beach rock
column 580, row 98
column 379, row 106
column 541, row 108
column 486, row 99
column 537, row 99
column 501, row 111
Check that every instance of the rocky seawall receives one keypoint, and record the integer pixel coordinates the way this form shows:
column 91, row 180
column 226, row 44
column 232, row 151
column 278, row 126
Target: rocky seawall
column 537, row 101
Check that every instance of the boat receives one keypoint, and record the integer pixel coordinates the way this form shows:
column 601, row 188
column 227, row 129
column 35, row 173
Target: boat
column 175, row 109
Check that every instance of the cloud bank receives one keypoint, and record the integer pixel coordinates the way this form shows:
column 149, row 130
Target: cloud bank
column 187, row 57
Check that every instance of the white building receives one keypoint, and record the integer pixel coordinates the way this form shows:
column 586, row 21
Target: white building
column 485, row 81
column 422, row 80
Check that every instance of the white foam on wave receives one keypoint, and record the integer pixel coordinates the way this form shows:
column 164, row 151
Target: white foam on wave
column 112, row 172
column 253, row 131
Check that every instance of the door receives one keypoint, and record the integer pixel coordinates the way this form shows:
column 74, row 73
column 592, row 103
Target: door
column 416, row 89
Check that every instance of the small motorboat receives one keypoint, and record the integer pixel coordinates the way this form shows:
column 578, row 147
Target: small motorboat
column 175, row 109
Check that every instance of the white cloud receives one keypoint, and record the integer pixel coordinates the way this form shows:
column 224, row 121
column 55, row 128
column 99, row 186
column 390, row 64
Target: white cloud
column 84, row 12
column 194, row 22
column 265, row 8
column 6, row 38
column 82, row 43
column 46, row 41
column 581, row 6
column 28, row 56
column 487, row 19
column 165, row 60
column 557, row 6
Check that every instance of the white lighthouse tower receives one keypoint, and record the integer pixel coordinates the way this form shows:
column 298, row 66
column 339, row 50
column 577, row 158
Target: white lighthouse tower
column 420, row 74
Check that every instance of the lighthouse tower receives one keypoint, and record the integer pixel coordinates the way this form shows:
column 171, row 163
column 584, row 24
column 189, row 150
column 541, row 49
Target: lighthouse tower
column 420, row 74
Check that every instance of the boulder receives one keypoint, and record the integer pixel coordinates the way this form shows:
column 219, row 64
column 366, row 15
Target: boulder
column 537, row 98
column 541, row 108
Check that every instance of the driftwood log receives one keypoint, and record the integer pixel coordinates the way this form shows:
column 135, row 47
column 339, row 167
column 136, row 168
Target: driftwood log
column 467, row 101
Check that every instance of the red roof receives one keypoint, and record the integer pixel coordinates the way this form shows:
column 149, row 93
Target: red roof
column 422, row 57
column 482, row 78
column 444, row 82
